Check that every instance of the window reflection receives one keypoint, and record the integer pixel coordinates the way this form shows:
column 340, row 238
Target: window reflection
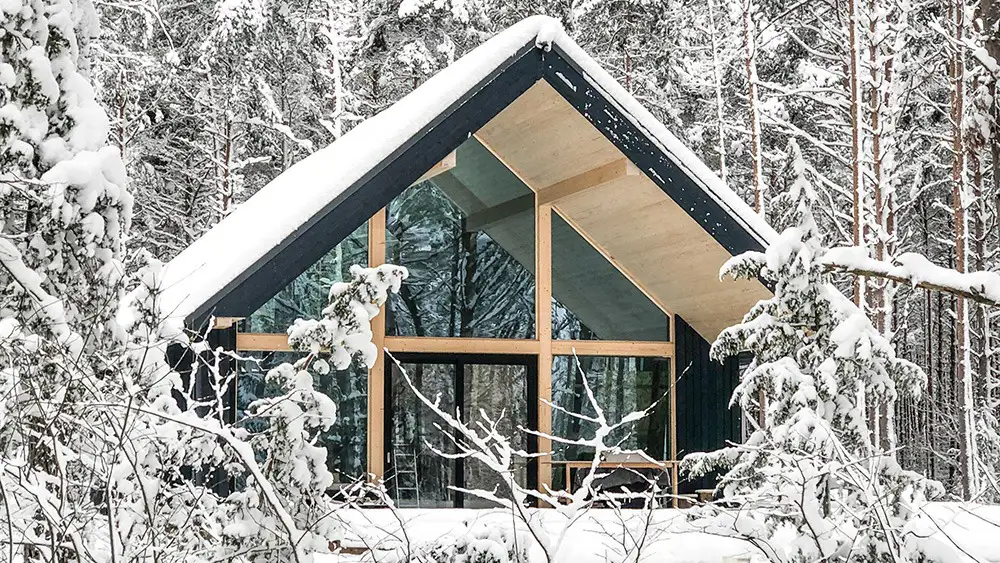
column 346, row 440
column 306, row 296
column 467, row 238
column 592, row 300
column 621, row 386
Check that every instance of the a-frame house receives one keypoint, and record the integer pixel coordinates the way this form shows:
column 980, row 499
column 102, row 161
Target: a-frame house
column 541, row 211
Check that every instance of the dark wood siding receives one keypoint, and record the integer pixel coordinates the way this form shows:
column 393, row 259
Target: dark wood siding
column 705, row 421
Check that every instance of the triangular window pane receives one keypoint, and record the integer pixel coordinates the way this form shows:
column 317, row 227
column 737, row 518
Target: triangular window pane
column 306, row 296
column 592, row 300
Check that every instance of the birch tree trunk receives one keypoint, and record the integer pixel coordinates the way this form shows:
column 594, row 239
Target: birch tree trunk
column 753, row 105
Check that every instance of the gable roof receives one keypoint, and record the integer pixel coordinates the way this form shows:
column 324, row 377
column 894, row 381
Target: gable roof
column 272, row 237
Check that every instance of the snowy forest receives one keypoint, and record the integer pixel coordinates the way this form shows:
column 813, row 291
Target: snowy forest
column 862, row 130
column 208, row 102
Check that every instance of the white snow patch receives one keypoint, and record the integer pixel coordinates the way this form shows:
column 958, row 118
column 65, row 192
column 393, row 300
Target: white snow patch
column 959, row 534
column 566, row 81
column 917, row 269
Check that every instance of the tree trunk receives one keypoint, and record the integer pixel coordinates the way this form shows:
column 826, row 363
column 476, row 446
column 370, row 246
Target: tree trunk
column 960, row 202
column 719, row 103
column 853, row 70
column 753, row 104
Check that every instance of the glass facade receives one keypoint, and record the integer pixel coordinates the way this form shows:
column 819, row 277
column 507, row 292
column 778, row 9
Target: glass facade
column 621, row 386
column 418, row 476
column 592, row 300
column 467, row 238
column 346, row 440
column 306, row 296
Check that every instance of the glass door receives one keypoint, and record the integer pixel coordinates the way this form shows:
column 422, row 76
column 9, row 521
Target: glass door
column 499, row 386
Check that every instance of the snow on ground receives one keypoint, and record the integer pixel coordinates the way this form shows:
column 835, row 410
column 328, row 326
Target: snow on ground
column 963, row 534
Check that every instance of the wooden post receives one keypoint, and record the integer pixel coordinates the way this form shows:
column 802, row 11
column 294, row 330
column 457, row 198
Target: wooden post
column 376, row 375
column 673, row 412
column 543, row 331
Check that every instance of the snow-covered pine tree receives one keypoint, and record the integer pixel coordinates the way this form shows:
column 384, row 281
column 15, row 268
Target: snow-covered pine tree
column 99, row 461
column 64, row 209
column 810, row 483
column 294, row 470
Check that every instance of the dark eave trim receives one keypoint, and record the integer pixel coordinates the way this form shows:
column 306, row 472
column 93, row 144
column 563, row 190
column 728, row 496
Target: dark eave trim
column 572, row 83
column 373, row 191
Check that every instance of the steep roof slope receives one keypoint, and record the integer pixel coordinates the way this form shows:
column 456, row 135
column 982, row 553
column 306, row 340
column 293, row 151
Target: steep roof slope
column 258, row 231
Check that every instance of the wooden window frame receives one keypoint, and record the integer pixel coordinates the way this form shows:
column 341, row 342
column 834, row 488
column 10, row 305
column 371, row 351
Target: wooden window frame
column 543, row 346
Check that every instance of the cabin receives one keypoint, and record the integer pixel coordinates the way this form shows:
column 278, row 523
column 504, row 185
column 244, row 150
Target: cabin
column 552, row 228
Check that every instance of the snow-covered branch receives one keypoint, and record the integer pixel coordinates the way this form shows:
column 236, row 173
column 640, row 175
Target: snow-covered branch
column 481, row 440
column 916, row 270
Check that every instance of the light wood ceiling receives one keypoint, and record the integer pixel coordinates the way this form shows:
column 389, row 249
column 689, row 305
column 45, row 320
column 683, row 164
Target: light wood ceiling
column 547, row 143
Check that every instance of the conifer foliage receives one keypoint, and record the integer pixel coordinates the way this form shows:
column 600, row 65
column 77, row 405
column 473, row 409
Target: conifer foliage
column 810, row 481
column 106, row 451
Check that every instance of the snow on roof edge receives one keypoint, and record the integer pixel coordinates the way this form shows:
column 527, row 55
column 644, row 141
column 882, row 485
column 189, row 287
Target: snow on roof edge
column 204, row 269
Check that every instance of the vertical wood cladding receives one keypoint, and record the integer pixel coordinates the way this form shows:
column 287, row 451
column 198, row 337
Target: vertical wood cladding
column 705, row 421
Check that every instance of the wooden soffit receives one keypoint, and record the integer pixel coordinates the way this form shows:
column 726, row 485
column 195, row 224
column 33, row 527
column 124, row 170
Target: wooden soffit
column 555, row 151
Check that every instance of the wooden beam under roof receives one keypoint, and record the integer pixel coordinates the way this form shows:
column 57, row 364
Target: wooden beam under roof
column 482, row 219
column 610, row 172
column 446, row 164
column 225, row 322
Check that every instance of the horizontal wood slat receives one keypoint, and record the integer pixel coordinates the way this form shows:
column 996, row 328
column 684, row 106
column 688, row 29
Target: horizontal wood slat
column 261, row 341
column 612, row 348
column 276, row 342
column 457, row 345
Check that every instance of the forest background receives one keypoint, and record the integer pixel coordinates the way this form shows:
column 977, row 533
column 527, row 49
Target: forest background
column 892, row 102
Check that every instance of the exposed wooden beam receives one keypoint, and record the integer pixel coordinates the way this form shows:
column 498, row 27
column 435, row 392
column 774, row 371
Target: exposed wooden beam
column 457, row 345
column 480, row 220
column 543, row 330
column 458, row 192
column 613, row 348
column 615, row 170
column 226, row 322
column 446, row 164
column 599, row 176
column 277, row 342
column 262, row 342
column 520, row 176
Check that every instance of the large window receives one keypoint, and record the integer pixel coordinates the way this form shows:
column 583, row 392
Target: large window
column 467, row 238
column 464, row 324
column 306, row 296
column 621, row 385
column 346, row 440
column 592, row 300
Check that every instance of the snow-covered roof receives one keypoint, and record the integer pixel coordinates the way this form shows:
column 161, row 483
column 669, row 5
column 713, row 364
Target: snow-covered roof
column 207, row 269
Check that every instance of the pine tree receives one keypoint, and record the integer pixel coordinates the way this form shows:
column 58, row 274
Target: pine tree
column 810, row 482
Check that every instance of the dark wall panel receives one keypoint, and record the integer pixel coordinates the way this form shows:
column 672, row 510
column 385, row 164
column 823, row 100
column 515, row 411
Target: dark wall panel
column 704, row 420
